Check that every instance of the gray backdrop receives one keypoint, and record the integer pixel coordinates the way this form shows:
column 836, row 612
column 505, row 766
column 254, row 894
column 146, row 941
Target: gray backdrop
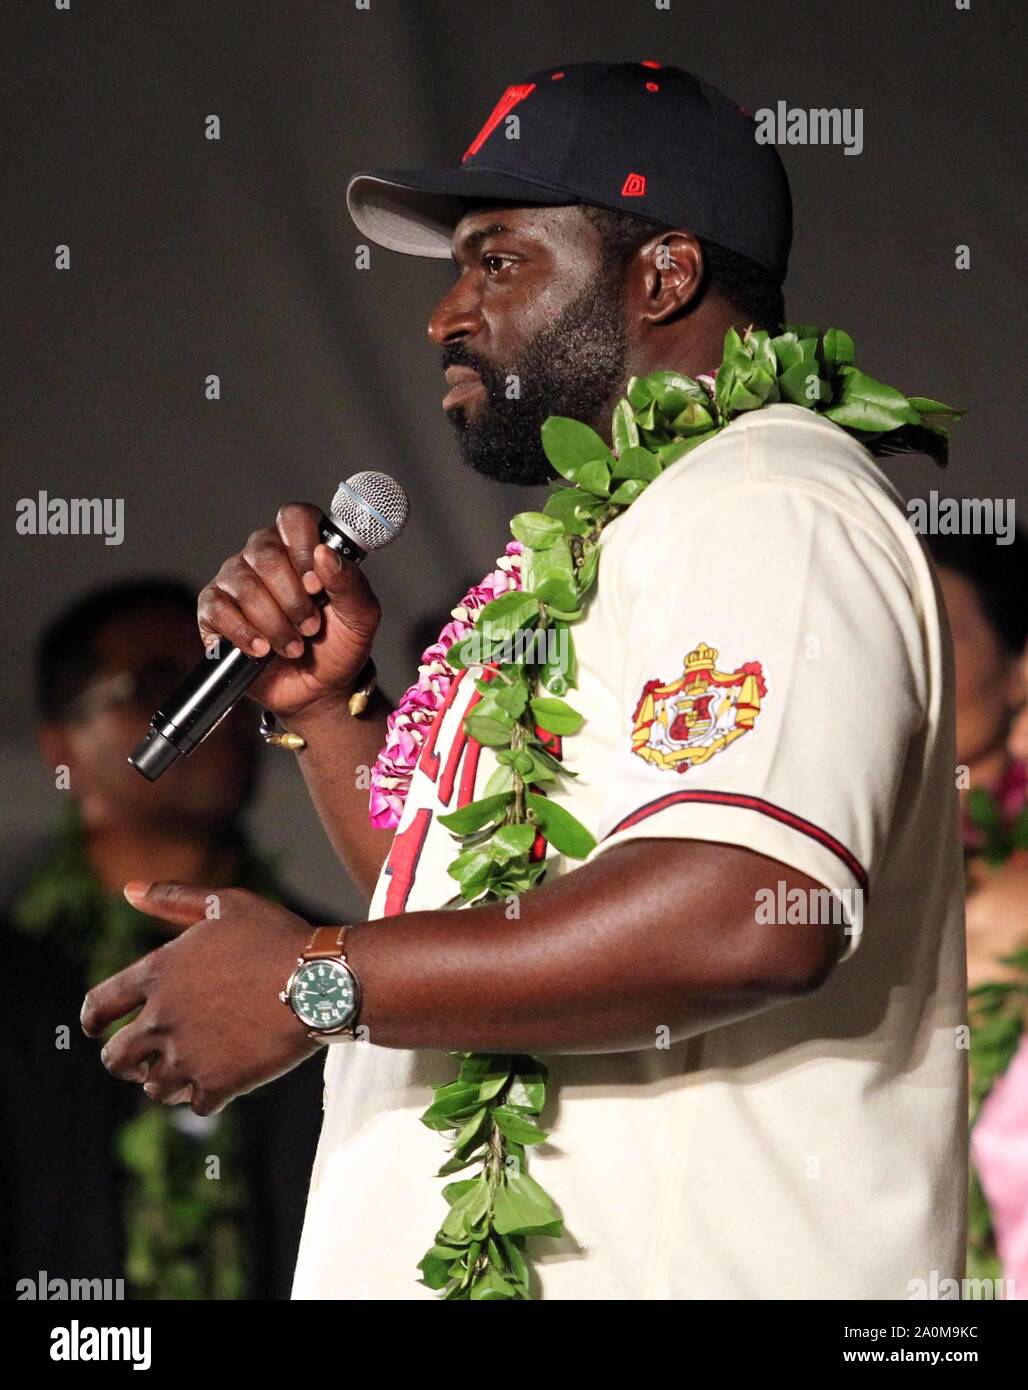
column 191, row 257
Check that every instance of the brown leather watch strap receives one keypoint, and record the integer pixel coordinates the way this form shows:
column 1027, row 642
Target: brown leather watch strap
column 326, row 942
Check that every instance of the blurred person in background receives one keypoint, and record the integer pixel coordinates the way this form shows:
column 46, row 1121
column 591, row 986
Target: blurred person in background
column 101, row 1182
column 1018, row 742
column 986, row 592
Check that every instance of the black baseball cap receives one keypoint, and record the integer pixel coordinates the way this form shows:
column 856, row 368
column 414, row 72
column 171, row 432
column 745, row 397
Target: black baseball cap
column 643, row 138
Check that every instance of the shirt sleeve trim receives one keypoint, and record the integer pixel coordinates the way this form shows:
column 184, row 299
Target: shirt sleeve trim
column 749, row 803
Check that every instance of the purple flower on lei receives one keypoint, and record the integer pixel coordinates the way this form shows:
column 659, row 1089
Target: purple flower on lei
column 409, row 723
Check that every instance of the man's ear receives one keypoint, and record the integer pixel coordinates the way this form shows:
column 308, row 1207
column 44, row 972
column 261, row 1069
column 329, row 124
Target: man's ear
column 667, row 276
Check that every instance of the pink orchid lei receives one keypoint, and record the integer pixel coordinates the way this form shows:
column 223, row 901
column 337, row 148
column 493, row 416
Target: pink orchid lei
column 409, row 723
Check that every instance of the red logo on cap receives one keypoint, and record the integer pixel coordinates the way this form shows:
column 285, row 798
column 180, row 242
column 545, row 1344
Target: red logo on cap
column 503, row 107
column 634, row 186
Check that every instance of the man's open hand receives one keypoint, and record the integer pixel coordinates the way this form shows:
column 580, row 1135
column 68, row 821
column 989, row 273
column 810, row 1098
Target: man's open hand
column 210, row 1024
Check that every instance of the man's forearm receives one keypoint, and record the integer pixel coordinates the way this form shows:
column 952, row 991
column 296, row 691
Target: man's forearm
column 653, row 936
column 339, row 745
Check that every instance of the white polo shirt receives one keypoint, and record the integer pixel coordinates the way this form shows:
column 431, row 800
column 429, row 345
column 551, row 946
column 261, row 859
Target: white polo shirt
column 763, row 663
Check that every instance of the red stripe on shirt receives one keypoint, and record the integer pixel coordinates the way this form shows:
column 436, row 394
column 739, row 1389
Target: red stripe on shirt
column 748, row 803
column 428, row 762
column 457, row 747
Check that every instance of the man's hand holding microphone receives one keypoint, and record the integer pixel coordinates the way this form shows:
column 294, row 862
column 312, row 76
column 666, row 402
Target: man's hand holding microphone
column 263, row 600
column 301, row 619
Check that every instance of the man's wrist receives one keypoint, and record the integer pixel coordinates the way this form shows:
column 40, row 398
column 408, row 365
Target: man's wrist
column 327, row 710
column 323, row 993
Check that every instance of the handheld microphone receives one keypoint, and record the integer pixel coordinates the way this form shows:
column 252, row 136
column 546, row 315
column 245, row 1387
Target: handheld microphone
column 368, row 511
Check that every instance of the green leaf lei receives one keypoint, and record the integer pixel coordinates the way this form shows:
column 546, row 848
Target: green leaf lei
column 492, row 1108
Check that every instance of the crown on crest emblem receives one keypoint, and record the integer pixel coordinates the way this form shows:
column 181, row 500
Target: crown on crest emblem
column 700, row 659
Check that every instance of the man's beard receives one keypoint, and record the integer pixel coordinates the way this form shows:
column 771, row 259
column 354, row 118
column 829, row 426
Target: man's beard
column 572, row 367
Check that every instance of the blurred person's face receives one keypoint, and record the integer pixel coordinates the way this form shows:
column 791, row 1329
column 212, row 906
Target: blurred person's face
column 141, row 658
column 990, row 681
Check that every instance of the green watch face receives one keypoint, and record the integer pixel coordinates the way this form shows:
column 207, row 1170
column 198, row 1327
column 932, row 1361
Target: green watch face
column 323, row 994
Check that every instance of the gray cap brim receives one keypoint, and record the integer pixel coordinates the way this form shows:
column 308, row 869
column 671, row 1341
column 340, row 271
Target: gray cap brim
column 414, row 211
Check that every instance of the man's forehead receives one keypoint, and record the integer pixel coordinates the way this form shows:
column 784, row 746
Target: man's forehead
column 532, row 218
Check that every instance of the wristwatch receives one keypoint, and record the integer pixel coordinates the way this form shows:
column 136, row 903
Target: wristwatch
column 323, row 992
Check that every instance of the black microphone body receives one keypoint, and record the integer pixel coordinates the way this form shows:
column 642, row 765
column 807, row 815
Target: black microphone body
column 219, row 681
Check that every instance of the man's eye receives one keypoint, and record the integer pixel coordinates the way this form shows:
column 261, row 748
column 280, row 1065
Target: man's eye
column 493, row 263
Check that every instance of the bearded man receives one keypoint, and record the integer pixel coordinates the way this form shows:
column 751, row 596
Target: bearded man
column 742, row 1108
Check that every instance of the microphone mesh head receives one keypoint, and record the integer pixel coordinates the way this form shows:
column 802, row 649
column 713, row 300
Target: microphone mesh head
column 372, row 508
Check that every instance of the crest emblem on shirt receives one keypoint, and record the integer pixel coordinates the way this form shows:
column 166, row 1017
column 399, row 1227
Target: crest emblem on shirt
column 682, row 723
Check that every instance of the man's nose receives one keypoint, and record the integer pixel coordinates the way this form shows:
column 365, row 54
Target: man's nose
column 456, row 316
